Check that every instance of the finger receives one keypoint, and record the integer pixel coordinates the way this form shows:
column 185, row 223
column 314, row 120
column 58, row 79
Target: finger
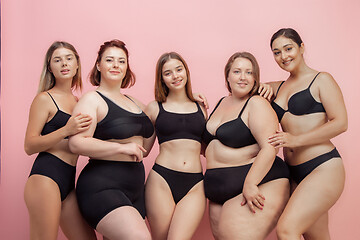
column 206, row 104
column 257, row 204
column 251, row 206
column 243, row 202
column 260, row 90
column 142, row 148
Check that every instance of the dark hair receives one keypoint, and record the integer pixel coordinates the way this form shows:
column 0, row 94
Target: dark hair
column 255, row 66
column 161, row 90
column 288, row 33
column 129, row 79
column 47, row 79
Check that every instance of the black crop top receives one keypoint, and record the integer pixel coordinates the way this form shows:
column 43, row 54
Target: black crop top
column 121, row 124
column 300, row 103
column 234, row 133
column 58, row 121
column 171, row 126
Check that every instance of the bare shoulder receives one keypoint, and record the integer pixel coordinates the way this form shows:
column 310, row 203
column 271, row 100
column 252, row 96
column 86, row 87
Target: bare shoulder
column 152, row 109
column 325, row 77
column 91, row 97
column 42, row 99
column 257, row 102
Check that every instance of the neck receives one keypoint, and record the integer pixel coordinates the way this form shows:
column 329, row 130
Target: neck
column 178, row 96
column 239, row 99
column 300, row 70
column 63, row 86
column 111, row 87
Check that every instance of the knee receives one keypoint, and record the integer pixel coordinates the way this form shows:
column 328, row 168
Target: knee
column 284, row 231
column 140, row 235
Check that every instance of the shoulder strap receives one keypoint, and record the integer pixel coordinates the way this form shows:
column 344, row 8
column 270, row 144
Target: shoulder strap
column 133, row 102
column 314, row 79
column 244, row 106
column 279, row 88
column 216, row 107
column 161, row 108
column 53, row 101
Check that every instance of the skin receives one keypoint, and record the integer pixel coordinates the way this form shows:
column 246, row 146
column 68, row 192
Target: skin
column 42, row 194
column 305, row 137
column 241, row 216
column 124, row 222
column 167, row 219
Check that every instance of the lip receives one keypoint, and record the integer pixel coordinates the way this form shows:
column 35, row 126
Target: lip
column 115, row 72
column 65, row 71
column 287, row 63
column 177, row 82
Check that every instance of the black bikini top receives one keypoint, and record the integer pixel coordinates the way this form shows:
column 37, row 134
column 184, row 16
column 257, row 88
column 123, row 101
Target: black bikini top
column 300, row 103
column 234, row 133
column 121, row 124
column 171, row 126
column 58, row 121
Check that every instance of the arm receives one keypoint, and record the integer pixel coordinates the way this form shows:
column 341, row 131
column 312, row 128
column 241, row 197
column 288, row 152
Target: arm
column 151, row 110
column 333, row 102
column 39, row 113
column 262, row 122
column 200, row 98
column 83, row 143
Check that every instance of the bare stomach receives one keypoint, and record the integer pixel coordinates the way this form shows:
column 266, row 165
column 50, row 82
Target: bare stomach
column 180, row 155
column 219, row 155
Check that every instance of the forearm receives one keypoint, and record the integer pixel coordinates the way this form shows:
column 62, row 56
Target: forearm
column 36, row 144
column 261, row 165
column 95, row 148
column 321, row 134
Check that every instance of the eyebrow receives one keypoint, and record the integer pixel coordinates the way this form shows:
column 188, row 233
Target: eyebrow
column 65, row 56
column 283, row 46
column 180, row 66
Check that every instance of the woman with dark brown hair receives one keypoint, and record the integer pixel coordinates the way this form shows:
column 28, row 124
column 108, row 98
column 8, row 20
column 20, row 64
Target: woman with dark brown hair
column 175, row 199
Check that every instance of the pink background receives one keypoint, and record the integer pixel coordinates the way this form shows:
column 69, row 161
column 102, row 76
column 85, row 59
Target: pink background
column 205, row 33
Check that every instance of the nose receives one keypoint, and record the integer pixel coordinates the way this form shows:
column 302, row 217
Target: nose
column 175, row 75
column 242, row 75
column 283, row 55
column 64, row 62
column 116, row 64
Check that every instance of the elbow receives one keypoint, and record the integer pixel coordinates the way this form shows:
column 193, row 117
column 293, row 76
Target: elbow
column 75, row 146
column 28, row 149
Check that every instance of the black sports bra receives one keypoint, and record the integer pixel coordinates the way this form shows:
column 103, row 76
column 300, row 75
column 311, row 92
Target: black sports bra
column 300, row 103
column 234, row 133
column 58, row 121
column 121, row 124
column 171, row 126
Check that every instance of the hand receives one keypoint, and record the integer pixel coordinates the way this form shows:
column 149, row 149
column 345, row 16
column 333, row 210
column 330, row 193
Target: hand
column 135, row 150
column 78, row 123
column 252, row 197
column 200, row 98
column 266, row 91
column 283, row 139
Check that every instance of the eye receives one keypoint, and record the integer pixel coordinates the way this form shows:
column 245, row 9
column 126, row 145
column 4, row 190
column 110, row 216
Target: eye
column 166, row 74
column 179, row 69
column 108, row 60
column 236, row 71
column 69, row 58
column 249, row 72
column 122, row 61
column 276, row 53
column 289, row 48
column 56, row 60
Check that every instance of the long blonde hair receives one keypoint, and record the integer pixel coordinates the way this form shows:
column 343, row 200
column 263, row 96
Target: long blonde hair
column 47, row 79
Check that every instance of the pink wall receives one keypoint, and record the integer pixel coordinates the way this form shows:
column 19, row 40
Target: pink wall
column 206, row 33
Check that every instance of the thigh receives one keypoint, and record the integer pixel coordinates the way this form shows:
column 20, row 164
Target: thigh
column 238, row 222
column 319, row 230
column 123, row 223
column 42, row 198
column 214, row 216
column 314, row 196
column 188, row 213
column 72, row 223
column 159, row 205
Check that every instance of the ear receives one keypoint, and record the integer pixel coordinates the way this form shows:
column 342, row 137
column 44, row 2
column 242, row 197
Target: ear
column 302, row 48
column 97, row 67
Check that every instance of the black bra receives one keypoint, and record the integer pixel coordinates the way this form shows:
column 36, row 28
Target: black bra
column 171, row 126
column 121, row 124
column 234, row 133
column 300, row 103
column 58, row 121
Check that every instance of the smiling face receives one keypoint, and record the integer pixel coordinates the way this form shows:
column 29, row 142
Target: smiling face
column 113, row 64
column 174, row 74
column 63, row 64
column 287, row 53
column 241, row 79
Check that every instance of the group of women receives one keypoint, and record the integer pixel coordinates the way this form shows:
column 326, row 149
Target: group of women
column 247, row 185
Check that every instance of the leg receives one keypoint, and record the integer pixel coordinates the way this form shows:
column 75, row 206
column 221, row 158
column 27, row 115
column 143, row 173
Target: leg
column 319, row 230
column 214, row 215
column 312, row 198
column 159, row 205
column 42, row 198
column 123, row 223
column 238, row 222
column 72, row 223
column 188, row 214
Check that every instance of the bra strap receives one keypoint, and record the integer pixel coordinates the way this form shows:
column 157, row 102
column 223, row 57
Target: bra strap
column 216, row 107
column 161, row 108
column 244, row 106
column 279, row 88
column 53, row 101
column 314, row 79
